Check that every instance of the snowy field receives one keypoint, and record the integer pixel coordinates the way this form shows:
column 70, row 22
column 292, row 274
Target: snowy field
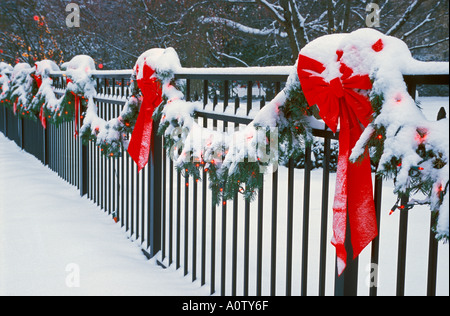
column 49, row 236
column 52, row 242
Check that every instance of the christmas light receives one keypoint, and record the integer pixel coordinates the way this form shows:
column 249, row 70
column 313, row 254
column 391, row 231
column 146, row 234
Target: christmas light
column 378, row 46
column 392, row 210
column 421, row 136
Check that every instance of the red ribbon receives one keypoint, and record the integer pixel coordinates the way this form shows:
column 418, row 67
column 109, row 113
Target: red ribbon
column 77, row 113
column 37, row 78
column 141, row 138
column 15, row 106
column 42, row 117
column 77, row 108
column 338, row 101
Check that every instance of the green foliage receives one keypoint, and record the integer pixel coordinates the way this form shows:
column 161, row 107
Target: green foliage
column 293, row 129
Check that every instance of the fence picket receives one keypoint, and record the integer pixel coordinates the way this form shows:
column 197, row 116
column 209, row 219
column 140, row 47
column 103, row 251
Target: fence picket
column 144, row 203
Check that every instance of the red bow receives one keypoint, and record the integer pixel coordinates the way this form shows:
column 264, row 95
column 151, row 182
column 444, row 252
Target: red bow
column 37, row 78
column 42, row 118
column 141, row 139
column 338, row 101
column 15, row 106
column 77, row 113
column 77, row 108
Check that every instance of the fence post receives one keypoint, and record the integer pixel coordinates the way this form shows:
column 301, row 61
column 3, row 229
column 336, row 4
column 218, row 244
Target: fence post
column 155, row 204
column 5, row 127
column 84, row 165
column 84, row 160
column 45, row 146
column 20, row 132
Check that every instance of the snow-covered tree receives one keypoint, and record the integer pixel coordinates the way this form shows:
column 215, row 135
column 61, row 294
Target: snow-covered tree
column 225, row 32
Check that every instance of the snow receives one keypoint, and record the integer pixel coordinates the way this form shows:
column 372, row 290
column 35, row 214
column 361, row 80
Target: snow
column 48, row 233
column 159, row 59
column 42, row 234
column 82, row 63
column 45, row 67
column 417, row 67
column 241, row 27
column 417, row 252
column 241, row 71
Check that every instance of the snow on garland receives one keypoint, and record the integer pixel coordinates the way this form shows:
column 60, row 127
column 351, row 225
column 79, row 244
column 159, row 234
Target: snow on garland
column 341, row 74
column 407, row 147
column 29, row 92
column 19, row 90
column 235, row 161
column 5, row 81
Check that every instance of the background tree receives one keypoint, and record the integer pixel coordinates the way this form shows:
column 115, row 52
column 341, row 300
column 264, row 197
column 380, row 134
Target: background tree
column 208, row 32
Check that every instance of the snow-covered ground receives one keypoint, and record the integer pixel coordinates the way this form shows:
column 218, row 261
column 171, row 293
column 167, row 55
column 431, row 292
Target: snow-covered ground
column 52, row 242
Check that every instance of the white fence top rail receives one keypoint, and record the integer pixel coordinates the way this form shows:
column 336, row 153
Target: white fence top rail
column 415, row 68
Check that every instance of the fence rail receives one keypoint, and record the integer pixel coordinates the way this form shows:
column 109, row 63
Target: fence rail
column 241, row 248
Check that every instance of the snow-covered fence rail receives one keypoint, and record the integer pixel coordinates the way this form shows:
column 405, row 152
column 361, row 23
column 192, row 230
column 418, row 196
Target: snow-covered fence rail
column 276, row 245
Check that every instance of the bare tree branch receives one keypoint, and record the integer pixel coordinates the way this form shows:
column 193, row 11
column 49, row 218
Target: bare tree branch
column 406, row 15
column 430, row 44
column 275, row 10
column 242, row 28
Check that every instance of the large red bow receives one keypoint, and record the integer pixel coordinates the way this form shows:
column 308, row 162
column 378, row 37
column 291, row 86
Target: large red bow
column 141, row 138
column 338, row 101
column 77, row 101
column 38, row 78
column 77, row 113
column 42, row 118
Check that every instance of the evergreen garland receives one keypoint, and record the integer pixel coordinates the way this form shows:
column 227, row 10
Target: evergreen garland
column 237, row 168
column 418, row 171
